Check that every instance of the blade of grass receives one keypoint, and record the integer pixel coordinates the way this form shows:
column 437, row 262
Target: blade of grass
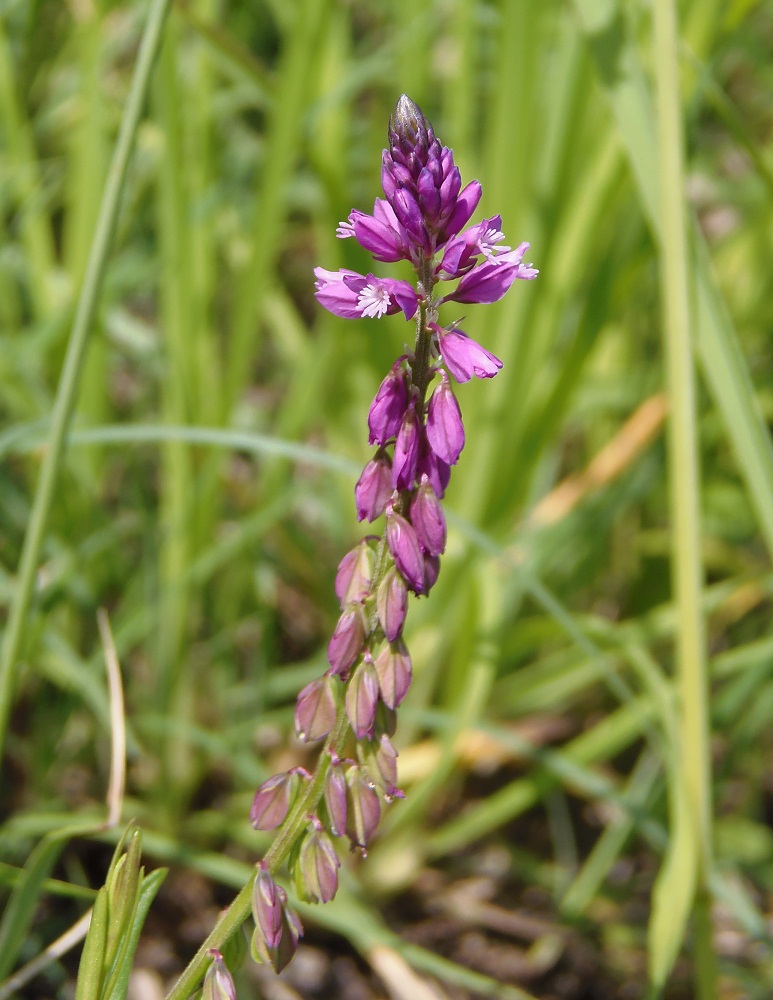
column 683, row 880
column 69, row 381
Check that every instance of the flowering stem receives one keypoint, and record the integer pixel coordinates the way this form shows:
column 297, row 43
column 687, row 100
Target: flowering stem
column 421, row 367
column 239, row 910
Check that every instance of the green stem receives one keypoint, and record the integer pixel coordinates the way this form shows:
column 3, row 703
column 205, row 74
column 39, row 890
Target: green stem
column 288, row 833
column 73, row 362
column 427, row 314
column 684, row 484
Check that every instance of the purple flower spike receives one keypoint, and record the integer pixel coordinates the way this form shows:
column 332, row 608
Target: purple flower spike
column 335, row 798
column 464, row 357
column 428, row 519
column 317, row 866
column 362, row 699
column 406, row 456
column 406, row 551
column 389, row 406
column 364, row 810
column 315, row 710
column 392, row 603
column 346, row 641
column 445, row 430
column 393, row 667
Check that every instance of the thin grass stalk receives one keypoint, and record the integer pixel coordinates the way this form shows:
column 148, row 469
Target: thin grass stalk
column 684, row 484
column 67, row 390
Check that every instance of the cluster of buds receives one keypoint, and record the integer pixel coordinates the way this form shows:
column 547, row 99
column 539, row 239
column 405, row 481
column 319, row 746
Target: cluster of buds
column 418, row 433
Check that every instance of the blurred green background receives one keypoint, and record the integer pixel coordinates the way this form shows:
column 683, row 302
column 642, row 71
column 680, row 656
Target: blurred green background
column 540, row 743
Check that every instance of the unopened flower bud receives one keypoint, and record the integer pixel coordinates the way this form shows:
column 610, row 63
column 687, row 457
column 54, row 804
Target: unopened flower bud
column 335, row 798
column 445, row 430
column 393, row 668
column 434, row 468
column 267, row 907
column 408, row 130
column 392, row 603
column 315, row 866
column 272, row 800
column 347, row 640
column 405, row 549
column 373, row 489
column 315, row 710
column 277, row 927
column 379, row 758
column 387, row 409
column 406, row 455
column 428, row 519
column 464, row 357
column 431, row 571
column 218, row 983
column 355, row 572
column 386, row 720
column 364, row 809
column 362, row 698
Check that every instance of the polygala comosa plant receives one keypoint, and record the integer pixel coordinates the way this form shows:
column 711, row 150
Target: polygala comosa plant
column 415, row 424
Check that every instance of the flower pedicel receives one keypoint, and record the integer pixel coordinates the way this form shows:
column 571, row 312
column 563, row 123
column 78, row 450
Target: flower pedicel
column 419, row 436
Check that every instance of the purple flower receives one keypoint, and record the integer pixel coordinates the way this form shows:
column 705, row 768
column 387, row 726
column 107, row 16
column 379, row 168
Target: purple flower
column 363, row 808
column 389, row 405
column 355, row 573
column 315, row 710
column 488, row 282
column 431, row 571
column 277, row 927
column 272, row 799
column 218, row 982
column 464, row 357
column 462, row 252
column 392, row 603
column 379, row 758
column 380, row 234
column 316, row 868
column 428, row 519
column 393, row 667
column 374, row 488
column 362, row 698
column 434, row 468
column 346, row 641
column 405, row 549
column 335, row 797
column 445, row 430
column 406, row 457
column 353, row 296
column 267, row 906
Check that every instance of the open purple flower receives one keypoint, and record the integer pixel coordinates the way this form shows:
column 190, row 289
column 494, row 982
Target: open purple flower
column 354, row 296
